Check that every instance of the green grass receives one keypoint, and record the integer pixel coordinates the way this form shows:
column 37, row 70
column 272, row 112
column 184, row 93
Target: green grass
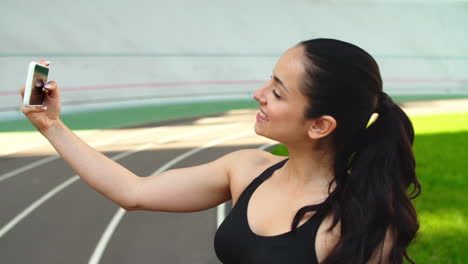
column 440, row 147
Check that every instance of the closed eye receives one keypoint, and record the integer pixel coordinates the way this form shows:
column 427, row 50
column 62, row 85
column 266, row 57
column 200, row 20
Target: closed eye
column 275, row 94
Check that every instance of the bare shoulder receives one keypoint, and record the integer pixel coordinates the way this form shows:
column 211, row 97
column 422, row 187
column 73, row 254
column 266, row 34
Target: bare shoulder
column 249, row 161
column 246, row 165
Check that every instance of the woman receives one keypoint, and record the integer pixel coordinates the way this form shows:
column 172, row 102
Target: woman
column 341, row 195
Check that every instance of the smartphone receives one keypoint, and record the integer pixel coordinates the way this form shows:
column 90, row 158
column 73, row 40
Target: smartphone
column 37, row 74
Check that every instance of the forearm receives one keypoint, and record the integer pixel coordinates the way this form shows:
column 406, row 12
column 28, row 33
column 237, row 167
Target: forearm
column 101, row 173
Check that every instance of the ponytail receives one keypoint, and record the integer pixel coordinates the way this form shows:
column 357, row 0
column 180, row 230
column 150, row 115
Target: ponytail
column 388, row 159
column 374, row 166
column 370, row 197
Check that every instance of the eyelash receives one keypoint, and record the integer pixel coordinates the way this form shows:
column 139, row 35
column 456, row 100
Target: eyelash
column 273, row 90
column 275, row 94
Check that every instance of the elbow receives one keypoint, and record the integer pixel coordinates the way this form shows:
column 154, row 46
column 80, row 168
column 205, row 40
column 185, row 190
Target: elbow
column 130, row 200
column 129, row 205
column 129, row 208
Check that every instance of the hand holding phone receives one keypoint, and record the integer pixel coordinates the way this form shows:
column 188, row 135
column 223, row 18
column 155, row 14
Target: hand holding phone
column 35, row 81
column 41, row 99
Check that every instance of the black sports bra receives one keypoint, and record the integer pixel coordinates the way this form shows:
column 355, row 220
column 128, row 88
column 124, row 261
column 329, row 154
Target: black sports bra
column 235, row 242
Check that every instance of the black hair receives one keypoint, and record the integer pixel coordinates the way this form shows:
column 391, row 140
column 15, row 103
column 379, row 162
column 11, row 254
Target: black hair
column 374, row 166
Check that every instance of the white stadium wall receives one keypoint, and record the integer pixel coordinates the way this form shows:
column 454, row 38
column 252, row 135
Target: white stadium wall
column 119, row 53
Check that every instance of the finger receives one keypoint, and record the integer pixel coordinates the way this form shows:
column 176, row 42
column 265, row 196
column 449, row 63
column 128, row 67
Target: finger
column 44, row 62
column 33, row 109
column 51, row 85
column 52, row 89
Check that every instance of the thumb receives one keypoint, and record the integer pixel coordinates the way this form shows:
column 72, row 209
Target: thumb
column 52, row 89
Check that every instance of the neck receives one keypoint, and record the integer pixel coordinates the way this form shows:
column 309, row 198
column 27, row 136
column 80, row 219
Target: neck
column 309, row 167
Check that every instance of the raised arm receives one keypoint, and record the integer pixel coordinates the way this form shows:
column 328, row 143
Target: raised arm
column 100, row 172
column 179, row 190
column 189, row 189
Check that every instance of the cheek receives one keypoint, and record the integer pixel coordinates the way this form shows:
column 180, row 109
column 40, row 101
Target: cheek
column 285, row 126
column 294, row 120
column 284, row 113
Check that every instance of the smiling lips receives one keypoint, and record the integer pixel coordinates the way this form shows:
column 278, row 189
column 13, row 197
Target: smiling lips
column 261, row 117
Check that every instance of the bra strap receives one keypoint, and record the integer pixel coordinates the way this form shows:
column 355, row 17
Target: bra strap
column 268, row 172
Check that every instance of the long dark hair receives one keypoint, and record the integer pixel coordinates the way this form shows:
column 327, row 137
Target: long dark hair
column 374, row 166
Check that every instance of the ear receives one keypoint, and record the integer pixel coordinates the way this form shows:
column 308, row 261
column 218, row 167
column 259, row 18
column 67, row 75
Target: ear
column 321, row 127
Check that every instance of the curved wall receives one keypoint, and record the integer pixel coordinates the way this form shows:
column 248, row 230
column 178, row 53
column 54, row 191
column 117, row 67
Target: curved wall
column 114, row 54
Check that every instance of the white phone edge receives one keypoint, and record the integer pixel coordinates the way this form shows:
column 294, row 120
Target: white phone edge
column 28, row 85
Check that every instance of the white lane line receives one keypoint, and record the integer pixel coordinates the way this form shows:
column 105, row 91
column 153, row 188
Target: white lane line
column 107, row 235
column 13, row 222
column 18, row 218
column 221, row 209
column 54, row 157
column 27, row 167
column 220, row 213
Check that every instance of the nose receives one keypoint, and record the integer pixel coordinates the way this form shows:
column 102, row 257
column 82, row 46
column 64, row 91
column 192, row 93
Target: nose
column 259, row 95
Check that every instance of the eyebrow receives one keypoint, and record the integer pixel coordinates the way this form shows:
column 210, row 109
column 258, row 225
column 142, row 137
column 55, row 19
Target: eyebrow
column 280, row 82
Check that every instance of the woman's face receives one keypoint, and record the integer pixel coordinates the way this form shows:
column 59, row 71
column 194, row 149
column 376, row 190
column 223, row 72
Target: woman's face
column 282, row 105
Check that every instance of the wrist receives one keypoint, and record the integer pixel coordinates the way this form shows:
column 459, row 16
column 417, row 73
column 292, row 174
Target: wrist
column 52, row 130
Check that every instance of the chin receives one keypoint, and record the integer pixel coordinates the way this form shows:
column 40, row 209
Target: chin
column 262, row 133
column 257, row 130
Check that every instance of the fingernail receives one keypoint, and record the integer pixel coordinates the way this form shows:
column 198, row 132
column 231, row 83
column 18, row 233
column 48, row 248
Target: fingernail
column 48, row 86
column 44, row 108
column 47, row 62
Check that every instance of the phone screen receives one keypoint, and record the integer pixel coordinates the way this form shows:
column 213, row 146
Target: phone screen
column 40, row 76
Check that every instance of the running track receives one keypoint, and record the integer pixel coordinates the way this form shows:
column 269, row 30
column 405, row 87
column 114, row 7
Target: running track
column 49, row 216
